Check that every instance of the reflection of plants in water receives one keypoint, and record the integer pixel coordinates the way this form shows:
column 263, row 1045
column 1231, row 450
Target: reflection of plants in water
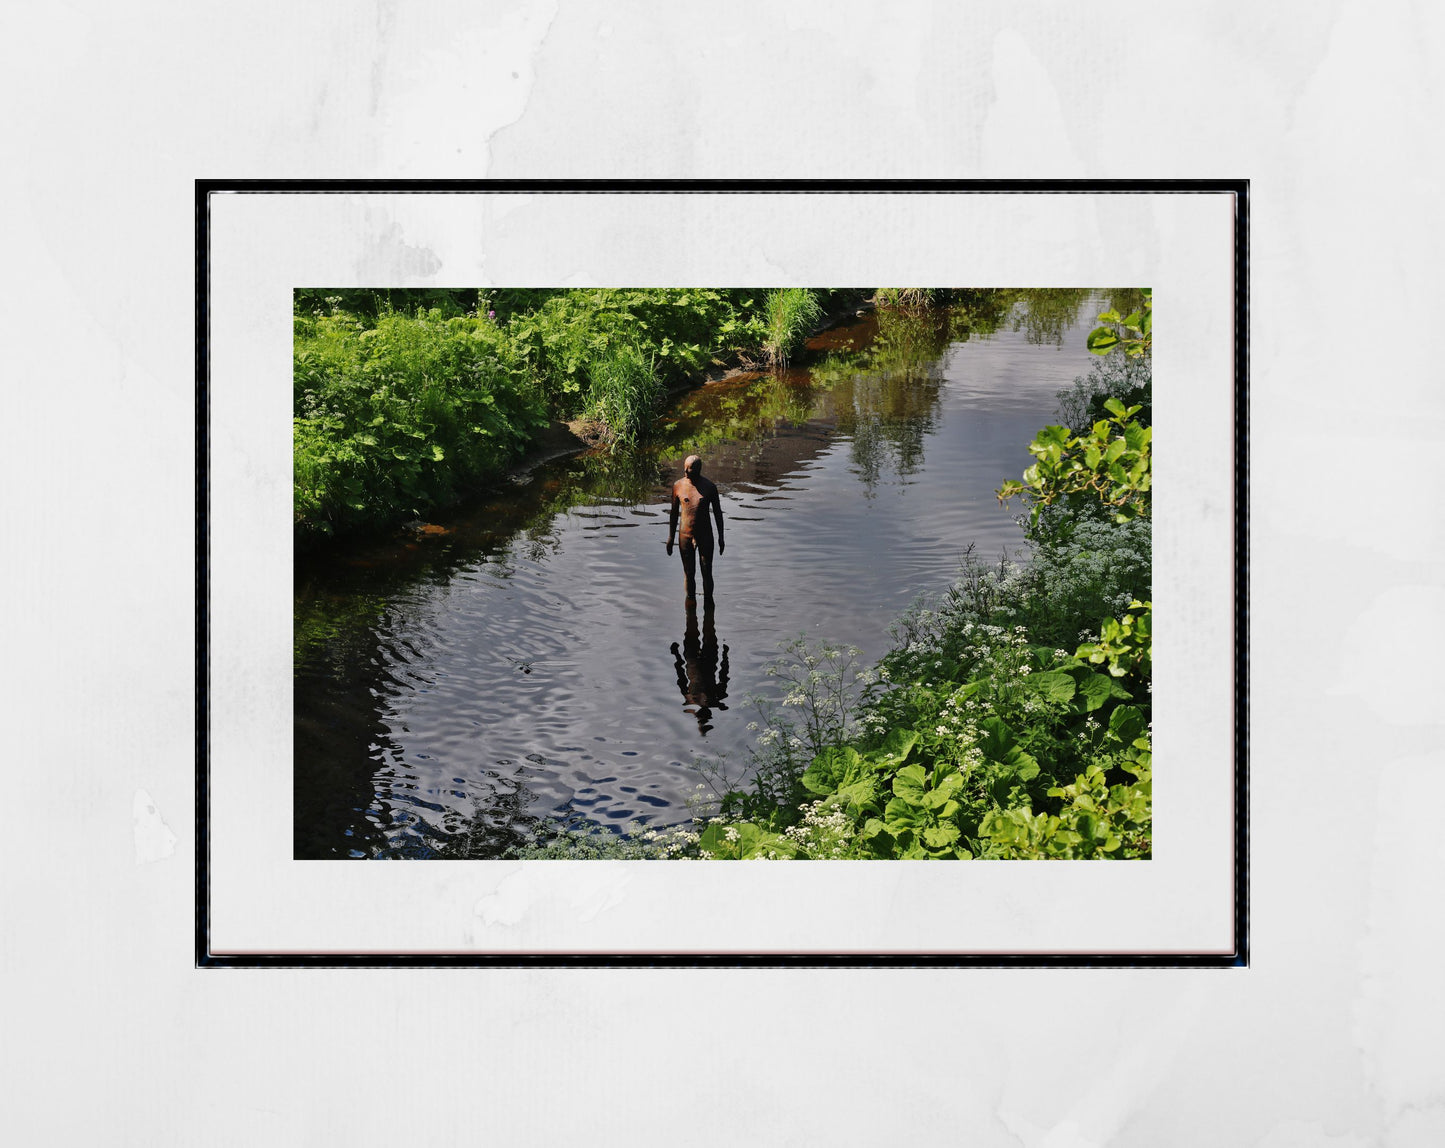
column 886, row 396
column 977, row 314
column 538, row 542
column 623, row 477
column 744, row 412
column 342, row 625
column 1047, row 313
column 886, row 419
column 909, row 340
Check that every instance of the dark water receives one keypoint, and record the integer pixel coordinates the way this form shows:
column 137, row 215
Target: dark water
column 537, row 659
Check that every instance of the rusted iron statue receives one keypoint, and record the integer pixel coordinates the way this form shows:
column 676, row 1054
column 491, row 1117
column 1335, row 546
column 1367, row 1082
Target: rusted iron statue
column 692, row 496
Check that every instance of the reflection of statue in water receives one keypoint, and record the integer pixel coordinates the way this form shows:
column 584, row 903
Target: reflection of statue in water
column 692, row 495
column 703, row 682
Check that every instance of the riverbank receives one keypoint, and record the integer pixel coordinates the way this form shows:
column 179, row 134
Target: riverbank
column 401, row 412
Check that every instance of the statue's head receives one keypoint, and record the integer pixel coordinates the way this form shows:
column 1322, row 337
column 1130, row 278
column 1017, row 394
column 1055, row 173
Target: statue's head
column 692, row 467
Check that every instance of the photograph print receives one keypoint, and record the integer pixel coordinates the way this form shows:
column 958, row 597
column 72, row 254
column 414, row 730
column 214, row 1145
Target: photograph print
column 723, row 573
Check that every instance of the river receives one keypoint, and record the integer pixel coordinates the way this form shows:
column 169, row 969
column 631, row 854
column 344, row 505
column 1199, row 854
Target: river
column 532, row 656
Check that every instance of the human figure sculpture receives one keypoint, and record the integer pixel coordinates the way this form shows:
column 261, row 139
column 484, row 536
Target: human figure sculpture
column 692, row 496
column 703, row 682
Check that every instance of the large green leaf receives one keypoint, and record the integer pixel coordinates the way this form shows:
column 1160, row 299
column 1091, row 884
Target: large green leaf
column 997, row 739
column 909, row 784
column 1096, row 689
column 901, row 817
column 940, row 836
column 1125, row 723
column 1000, row 745
column 937, row 799
column 833, row 768
column 896, row 748
column 859, row 795
column 1055, row 685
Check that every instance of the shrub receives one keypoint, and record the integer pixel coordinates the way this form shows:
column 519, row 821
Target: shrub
column 395, row 418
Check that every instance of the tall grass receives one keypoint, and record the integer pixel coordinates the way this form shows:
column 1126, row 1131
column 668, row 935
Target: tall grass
column 904, row 296
column 624, row 393
column 788, row 315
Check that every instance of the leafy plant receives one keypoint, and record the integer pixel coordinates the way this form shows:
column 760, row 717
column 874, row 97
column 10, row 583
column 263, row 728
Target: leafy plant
column 1111, row 462
column 555, row 841
column 1125, row 644
column 392, row 418
column 821, row 688
column 1133, row 332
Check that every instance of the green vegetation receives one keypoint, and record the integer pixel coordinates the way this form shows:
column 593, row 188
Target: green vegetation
column 790, row 313
column 405, row 400
column 1012, row 718
column 905, row 296
column 1111, row 462
column 624, row 393
column 1133, row 332
column 399, row 414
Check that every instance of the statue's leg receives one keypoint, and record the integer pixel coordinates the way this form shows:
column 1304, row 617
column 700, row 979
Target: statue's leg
column 689, row 566
column 704, row 556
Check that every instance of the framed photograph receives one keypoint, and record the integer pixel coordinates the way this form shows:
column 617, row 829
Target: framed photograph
column 722, row 573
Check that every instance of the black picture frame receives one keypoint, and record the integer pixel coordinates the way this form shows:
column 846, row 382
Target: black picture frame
column 205, row 189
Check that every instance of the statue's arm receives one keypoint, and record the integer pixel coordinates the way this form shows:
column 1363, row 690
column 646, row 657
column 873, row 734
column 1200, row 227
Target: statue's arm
column 717, row 516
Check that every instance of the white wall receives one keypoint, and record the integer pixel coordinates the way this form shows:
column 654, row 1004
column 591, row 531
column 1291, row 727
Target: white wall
column 110, row 1036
